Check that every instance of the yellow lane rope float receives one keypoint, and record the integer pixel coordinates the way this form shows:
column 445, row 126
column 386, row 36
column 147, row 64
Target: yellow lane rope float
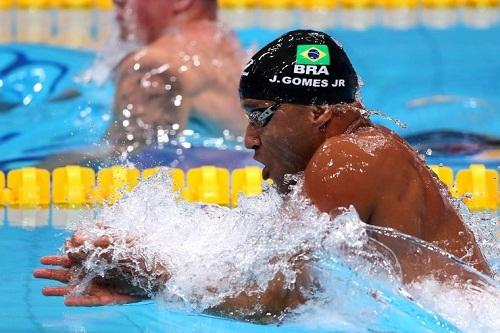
column 74, row 186
column 232, row 4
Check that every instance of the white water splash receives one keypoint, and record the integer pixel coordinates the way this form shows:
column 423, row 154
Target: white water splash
column 486, row 226
column 214, row 252
column 470, row 308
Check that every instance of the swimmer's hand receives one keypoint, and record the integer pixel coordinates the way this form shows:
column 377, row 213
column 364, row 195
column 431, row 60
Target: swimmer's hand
column 98, row 293
column 77, row 252
column 114, row 288
column 149, row 270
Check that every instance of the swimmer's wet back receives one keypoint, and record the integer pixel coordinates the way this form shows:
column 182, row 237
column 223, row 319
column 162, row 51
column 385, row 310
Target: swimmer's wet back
column 301, row 67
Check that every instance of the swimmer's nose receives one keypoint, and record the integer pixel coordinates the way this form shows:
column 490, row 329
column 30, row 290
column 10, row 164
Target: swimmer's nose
column 252, row 140
column 122, row 5
column 119, row 9
column 119, row 3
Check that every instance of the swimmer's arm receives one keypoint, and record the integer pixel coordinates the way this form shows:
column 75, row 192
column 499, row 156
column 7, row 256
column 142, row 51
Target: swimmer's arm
column 261, row 306
column 119, row 285
column 150, row 96
column 271, row 304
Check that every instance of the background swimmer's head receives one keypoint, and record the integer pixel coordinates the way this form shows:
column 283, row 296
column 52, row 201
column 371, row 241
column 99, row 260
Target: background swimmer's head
column 145, row 21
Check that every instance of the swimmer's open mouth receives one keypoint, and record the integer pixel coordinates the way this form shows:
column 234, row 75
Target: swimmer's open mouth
column 265, row 173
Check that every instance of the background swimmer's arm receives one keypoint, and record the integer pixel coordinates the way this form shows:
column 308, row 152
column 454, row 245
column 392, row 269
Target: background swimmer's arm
column 150, row 102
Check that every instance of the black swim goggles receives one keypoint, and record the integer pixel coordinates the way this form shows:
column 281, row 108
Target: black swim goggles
column 260, row 117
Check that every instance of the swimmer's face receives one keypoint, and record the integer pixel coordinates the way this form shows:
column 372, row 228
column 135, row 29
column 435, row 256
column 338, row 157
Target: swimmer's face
column 141, row 20
column 286, row 143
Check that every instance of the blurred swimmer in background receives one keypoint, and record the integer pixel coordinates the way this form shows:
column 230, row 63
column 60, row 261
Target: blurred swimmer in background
column 183, row 74
column 186, row 75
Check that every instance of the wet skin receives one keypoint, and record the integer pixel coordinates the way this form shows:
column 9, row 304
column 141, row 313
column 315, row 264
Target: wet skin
column 191, row 71
column 349, row 161
column 346, row 161
column 117, row 288
column 189, row 66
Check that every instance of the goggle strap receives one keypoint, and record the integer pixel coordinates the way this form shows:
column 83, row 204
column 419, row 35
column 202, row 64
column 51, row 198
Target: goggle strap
column 266, row 113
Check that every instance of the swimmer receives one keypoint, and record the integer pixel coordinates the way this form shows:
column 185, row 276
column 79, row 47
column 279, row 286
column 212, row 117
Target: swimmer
column 300, row 94
column 187, row 73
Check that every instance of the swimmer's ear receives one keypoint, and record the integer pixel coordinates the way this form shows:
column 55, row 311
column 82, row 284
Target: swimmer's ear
column 182, row 5
column 321, row 116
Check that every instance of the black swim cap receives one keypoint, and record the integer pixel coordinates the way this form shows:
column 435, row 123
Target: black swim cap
column 301, row 67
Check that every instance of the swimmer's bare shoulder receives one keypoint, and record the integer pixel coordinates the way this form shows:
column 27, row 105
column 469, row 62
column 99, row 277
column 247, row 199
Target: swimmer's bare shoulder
column 148, row 87
column 390, row 186
column 176, row 57
column 370, row 170
column 149, row 61
column 151, row 56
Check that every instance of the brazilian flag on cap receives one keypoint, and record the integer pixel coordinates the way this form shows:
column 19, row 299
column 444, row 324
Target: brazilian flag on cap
column 313, row 55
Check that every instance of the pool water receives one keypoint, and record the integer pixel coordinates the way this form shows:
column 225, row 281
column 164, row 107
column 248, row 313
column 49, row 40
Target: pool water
column 434, row 81
column 26, row 235
column 24, row 309
column 437, row 81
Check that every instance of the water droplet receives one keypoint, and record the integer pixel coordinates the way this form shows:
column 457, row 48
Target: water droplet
column 178, row 100
column 27, row 100
column 37, row 87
